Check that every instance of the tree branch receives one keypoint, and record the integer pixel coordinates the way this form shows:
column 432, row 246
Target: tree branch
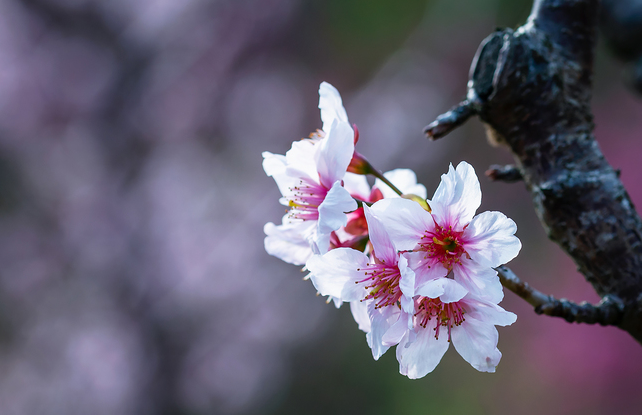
column 508, row 174
column 608, row 312
column 532, row 89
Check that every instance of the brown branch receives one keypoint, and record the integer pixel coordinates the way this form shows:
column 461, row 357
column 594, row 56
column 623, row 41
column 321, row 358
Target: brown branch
column 608, row 312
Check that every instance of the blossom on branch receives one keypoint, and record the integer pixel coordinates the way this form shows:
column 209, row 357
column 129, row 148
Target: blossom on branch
column 465, row 321
column 450, row 239
column 418, row 274
column 310, row 182
column 381, row 281
column 310, row 178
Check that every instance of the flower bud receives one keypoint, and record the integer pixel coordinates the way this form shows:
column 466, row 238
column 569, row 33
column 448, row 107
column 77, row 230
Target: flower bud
column 422, row 202
column 359, row 165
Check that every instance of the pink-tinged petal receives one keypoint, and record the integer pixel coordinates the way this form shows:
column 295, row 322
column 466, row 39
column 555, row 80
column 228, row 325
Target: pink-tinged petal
column 425, row 268
column 399, row 328
column 334, row 153
column 447, row 290
column 332, row 214
column 404, row 180
column 380, row 320
column 488, row 312
column 404, row 220
column 481, row 281
column 476, row 342
column 383, row 247
column 406, row 285
column 331, row 105
column 357, row 185
column 335, row 273
column 489, row 239
column 457, row 197
column 422, row 356
column 359, row 311
column 288, row 242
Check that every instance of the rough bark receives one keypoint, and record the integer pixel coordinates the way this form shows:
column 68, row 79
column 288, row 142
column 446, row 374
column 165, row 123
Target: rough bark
column 532, row 88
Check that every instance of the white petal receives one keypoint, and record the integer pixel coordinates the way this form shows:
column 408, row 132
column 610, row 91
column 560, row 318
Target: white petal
column 445, row 289
column 335, row 273
column 357, row 185
column 359, row 311
column 380, row 320
column 273, row 163
column 457, row 197
column 425, row 268
column 275, row 166
column 405, row 180
column 334, row 153
column 406, row 285
column 302, row 157
column 405, row 221
column 476, row 342
column 288, row 242
column 422, row 356
column 489, row 239
column 383, row 247
column 396, row 332
column 331, row 105
column 488, row 312
column 481, row 281
column 332, row 214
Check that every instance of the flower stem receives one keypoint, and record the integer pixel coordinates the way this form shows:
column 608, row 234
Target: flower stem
column 381, row 177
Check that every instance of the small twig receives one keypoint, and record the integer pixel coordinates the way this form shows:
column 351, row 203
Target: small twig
column 508, row 174
column 608, row 312
column 450, row 120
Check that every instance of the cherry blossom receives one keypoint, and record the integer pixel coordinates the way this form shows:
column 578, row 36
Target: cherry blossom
column 455, row 317
column 450, row 240
column 310, row 180
column 382, row 283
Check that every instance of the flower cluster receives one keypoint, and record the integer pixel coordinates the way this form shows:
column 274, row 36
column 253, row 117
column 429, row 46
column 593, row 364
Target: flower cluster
column 418, row 274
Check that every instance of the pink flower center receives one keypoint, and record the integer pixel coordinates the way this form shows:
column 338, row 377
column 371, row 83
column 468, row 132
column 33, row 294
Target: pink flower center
column 382, row 282
column 305, row 199
column 447, row 314
column 444, row 245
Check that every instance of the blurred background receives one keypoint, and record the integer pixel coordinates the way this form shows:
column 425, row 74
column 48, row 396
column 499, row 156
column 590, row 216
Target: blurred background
column 132, row 202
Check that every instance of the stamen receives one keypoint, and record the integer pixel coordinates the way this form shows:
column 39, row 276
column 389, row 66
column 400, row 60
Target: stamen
column 305, row 199
column 382, row 282
column 447, row 314
column 443, row 245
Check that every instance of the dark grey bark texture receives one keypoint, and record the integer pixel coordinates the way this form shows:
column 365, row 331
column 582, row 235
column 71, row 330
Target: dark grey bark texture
column 532, row 89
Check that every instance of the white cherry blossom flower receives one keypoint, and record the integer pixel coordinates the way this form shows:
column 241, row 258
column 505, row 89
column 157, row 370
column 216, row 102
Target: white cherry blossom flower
column 451, row 240
column 310, row 180
column 455, row 317
column 382, row 284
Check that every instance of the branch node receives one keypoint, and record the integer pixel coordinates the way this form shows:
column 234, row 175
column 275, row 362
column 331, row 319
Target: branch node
column 608, row 312
column 447, row 122
column 507, row 174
